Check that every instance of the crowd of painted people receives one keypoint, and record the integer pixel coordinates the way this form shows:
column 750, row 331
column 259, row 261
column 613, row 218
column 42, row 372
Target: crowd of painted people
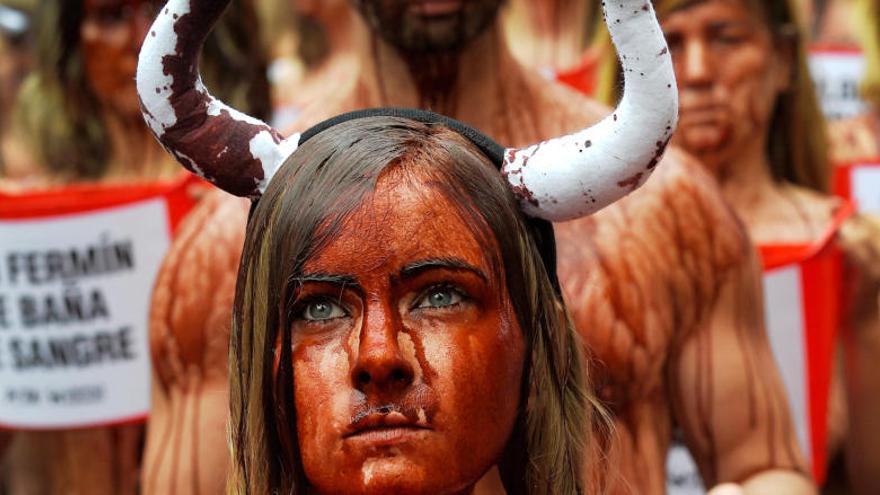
column 453, row 268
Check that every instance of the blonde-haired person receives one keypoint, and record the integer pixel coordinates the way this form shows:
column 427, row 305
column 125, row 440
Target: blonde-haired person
column 749, row 113
column 555, row 38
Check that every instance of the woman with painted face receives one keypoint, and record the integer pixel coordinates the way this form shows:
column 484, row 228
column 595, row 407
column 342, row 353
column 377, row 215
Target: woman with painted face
column 80, row 115
column 749, row 113
column 398, row 324
column 79, row 110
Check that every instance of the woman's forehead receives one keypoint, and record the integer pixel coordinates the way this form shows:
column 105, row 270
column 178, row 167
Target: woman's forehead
column 404, row 220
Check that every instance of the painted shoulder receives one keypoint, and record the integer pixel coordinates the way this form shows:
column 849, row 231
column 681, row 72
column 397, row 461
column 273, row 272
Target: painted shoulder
column 191, row 308
column 860, row 240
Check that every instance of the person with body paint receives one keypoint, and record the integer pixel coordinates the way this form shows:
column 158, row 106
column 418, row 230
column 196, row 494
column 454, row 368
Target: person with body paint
column 79, row 115
column 662, row 286
column 553, row 37
column 325, row 31
column 749, row 113
column 411, row 332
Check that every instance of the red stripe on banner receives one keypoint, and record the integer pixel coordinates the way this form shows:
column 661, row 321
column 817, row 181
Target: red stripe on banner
column 133, row 420
column 181, row 195
column 834, row 49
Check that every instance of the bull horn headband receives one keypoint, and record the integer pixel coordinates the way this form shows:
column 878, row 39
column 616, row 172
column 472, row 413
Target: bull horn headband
column 558, row 179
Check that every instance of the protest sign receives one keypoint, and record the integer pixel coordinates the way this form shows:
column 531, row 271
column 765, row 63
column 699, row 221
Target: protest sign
column 860, row 182
column 77, row 267
column 837, row 73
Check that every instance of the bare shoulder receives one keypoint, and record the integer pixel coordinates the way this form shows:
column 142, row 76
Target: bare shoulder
column 860, row 239
column 567, row 108
column 192, row 300
column 818, row 206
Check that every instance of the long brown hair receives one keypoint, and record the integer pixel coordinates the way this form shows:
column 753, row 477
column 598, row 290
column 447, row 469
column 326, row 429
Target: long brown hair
column 797, row 146
column 869, row 17
column 57, row 110
column 303, row 208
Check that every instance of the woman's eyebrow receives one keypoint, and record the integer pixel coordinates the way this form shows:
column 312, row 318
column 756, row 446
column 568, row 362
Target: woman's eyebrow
column 342, row 279
column 446, row 263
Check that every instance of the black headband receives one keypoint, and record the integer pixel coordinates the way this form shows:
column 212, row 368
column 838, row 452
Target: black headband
column 540, row 230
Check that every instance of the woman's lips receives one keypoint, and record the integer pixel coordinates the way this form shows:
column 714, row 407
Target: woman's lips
column 703, row 115
column 384, row 428
column 430, row 8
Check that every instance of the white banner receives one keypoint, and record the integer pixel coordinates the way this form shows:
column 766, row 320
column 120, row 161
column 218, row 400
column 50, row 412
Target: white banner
column 74, row 299
column 837, row 74
column 865, row 187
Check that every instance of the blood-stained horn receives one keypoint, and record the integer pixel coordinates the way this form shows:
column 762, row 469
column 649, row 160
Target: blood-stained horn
column 575, row 175
column 236, row 152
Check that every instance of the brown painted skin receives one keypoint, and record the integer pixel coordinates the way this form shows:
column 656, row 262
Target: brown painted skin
column 729, row 77
column 190, row 398
column 110, row 36
column 662, row 286
column 440, row 347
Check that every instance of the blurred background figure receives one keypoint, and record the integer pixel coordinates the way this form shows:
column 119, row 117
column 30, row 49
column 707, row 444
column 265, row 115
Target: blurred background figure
column 79, row 118
column 555, row 38
column 16, row 59
column 79, row 111
column 858, row 138
column 310, row 43
column 749, row 113
column 831, row 22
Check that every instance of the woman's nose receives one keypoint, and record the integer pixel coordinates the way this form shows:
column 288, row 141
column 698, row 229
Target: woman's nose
column 381, row 365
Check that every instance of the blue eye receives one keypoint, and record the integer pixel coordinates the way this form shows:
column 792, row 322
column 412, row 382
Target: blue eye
column 440, row 297
column 321, row 311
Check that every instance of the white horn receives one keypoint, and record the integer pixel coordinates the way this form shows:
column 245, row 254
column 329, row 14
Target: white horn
column 576, row 175
column 238, row 153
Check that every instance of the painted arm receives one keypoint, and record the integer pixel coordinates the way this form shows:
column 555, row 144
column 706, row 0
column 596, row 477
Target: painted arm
column 727, row 393
column 860, row 239
column 190, row 317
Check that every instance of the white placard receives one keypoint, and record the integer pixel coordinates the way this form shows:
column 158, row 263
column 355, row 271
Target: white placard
column 784, row 318
column 837, row 75
column 865, row 187
column 74, row 299
column 682, row 475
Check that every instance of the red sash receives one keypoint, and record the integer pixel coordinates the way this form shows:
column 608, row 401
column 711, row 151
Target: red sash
column 802, row 291
column 81, row 198
column 581, row 77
